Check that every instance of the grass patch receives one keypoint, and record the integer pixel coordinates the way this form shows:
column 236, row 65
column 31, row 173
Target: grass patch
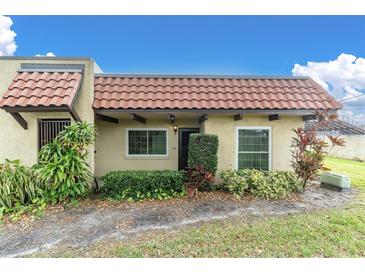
column 354, row 169
column 324, row 233
column 327, row 233
column 307, row 235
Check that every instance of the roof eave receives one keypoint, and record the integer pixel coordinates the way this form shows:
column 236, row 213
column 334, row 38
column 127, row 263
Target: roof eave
column 240, row 111
column 61, row 108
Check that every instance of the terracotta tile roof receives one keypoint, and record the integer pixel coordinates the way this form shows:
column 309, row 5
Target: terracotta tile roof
column 42, row 89
column 209, row 93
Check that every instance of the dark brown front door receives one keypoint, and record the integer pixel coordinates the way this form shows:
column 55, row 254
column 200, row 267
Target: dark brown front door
column 184, row 134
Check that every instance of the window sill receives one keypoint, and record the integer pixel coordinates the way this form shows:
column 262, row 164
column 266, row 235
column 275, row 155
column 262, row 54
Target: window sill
column 147, row 157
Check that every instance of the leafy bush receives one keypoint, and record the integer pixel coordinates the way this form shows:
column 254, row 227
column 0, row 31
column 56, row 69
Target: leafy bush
column 309, row 150
column 62, row 168
column 61, row 174
column 17, row 186
column 203, row 150
column 263, row 184
column 136, row 185
column 234, row 182
column 195, row 177
column 273, row 185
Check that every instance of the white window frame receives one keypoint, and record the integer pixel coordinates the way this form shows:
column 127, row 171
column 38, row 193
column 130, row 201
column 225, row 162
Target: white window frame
column 145, row 155
column 253, row 128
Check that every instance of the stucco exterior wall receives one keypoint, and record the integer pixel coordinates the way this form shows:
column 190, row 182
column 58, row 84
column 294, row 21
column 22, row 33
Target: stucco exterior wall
column 111, row 146
column 18, row 143
column 353, row 149
column 226, row 129
column 111, row 142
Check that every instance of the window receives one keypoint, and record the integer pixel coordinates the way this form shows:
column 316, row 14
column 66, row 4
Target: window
column 146, row 142
column 48, row 129
column 254, row 148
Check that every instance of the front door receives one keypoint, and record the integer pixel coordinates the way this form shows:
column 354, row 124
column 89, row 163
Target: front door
column 184, row 134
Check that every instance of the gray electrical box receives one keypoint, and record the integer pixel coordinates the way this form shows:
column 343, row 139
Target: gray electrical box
column 336, row 181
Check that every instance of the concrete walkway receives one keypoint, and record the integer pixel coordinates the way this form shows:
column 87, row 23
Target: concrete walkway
column 93, row 221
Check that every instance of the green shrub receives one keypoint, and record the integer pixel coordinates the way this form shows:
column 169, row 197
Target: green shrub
column 263, row 184
column 62, row 168
column 135, row 185
column 274, row 185
column 203, row 150
column 234, row 182
column 61, row 174
column 17, row 186
column 195, row 178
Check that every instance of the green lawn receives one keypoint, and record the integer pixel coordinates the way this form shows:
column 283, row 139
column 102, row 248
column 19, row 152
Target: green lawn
column 326, row 233
column 354, row 169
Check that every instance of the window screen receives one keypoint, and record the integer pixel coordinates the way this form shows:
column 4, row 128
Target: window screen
column 48, row 129
column 147, row 142
column 253, row 149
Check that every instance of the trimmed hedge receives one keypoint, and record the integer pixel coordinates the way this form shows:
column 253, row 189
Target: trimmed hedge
column 136, row 185
column 203, row 150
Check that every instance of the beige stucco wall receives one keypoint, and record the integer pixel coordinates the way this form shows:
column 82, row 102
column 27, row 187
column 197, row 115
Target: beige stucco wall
column 226, row 129
column 18, row 143
column 354, row 148
column 111, row 142
column 111, row 146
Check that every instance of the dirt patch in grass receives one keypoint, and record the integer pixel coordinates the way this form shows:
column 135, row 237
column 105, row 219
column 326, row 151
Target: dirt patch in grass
column 94, row 221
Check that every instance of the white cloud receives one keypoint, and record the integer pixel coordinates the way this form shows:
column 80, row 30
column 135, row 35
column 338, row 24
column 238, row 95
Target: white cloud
column 344, row 78
column 48, row 54
column 349, row 116
column 7, row 37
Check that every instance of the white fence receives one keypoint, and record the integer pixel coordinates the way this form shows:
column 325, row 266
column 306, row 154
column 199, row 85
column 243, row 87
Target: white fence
column 354, row 148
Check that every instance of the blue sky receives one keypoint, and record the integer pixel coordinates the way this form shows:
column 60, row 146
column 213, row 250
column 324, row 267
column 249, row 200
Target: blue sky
column 269, row 45
column 204, row 44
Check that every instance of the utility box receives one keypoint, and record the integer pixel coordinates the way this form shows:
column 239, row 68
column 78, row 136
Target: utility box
column 335, row 181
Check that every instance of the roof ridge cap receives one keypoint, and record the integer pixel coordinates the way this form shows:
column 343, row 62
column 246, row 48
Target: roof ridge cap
column 201, row 76
column 47, row 67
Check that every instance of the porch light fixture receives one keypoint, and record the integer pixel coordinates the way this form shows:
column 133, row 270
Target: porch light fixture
column 175, row 128
column 172, row 118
